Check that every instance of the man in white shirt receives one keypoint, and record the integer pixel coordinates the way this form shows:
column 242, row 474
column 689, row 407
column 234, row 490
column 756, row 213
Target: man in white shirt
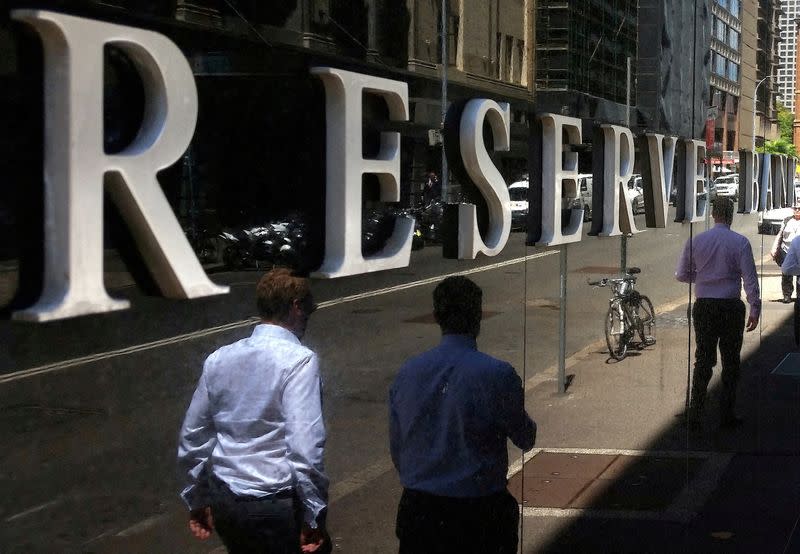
column 251, row 444
column 780, row 247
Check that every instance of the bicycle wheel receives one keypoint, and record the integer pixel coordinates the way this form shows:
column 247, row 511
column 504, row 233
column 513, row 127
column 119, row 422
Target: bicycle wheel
column 616, row 331
column 647, row 321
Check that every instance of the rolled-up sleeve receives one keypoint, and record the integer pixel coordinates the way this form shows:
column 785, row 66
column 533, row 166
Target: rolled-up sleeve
column 750, row 280
column 685, row 272
column 520, row 428
column 195, row 444
column 305, row 437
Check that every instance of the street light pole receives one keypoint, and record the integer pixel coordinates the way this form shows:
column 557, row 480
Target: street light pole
column 755, row 98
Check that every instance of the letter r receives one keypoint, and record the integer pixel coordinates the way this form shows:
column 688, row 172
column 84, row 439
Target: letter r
column 76, row 166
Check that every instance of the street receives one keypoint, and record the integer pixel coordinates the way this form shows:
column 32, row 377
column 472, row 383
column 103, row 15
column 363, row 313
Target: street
column 90, row 409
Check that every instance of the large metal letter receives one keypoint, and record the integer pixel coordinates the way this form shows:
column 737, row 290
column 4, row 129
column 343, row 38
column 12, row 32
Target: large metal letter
column 559, row 169
column 661, row 153
column 765, row 183
column 748, row 182
column 779, row 191
column 618, row 168
column 485, row 175
column 694, row 180
column 76, row 165
column 346, row 166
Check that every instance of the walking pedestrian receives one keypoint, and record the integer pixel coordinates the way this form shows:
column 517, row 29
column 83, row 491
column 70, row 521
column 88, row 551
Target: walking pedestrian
column 780, row 248
column 718, row 261
column 452, row 410
column 251, row 444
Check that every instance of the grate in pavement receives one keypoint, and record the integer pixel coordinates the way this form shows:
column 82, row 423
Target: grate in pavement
column 602, row 481
column 789, row 366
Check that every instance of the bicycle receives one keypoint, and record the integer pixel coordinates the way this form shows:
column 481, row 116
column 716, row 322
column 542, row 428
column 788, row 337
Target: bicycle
column 629, row 313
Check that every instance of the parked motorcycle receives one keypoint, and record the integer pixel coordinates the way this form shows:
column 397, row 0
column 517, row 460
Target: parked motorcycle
column 283, row 242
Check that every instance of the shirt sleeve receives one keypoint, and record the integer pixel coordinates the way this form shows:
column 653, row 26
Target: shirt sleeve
column 520, row 428
column 685, row 272
column 750, row 277
column 791, row 265
column 305, row 437
column 196, row 442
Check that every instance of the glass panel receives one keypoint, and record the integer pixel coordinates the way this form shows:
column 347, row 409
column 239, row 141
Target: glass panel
column 91, row 406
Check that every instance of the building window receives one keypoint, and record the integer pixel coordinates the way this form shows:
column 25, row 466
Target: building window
column 734, row 7
column 719, row 65
column 733, row 71
column 733, row 39
column 719, row 30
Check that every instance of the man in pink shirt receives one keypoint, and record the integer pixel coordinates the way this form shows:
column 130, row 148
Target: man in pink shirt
column 718, row 262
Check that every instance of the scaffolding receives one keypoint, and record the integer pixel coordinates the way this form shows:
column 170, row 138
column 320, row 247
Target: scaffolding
column 583, row 45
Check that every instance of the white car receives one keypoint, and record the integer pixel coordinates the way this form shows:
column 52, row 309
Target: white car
column 518, row 193
column 727, row 186
column 770, row 221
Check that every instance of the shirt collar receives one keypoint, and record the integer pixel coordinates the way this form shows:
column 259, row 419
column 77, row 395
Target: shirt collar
column 722, row 225
column 268, row 330
column 460, row 341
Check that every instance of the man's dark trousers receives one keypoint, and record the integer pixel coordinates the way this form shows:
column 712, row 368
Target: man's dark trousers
column 717, row 321
column 429, row 524
column 255, row 525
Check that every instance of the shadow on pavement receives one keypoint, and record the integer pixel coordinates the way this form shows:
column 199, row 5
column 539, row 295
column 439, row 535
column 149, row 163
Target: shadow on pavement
column 724, row 490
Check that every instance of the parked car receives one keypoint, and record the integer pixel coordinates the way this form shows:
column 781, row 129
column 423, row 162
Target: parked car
column 518, row 193
column 770, row 221
column 725, row 186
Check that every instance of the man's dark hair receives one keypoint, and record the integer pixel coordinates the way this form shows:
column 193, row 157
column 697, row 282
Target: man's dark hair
column 457, row 306
column 277, row 290
column 722, row 208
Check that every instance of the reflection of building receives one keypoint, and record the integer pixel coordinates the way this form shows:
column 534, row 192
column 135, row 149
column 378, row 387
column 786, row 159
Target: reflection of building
column 672, row 89
column 767, row 63
column 726, row 61
column 582, row 53
column 787, row 52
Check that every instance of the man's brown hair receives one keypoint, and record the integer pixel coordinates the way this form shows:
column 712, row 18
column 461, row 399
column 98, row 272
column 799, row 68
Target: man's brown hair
column 277, row 290
column 722, row 208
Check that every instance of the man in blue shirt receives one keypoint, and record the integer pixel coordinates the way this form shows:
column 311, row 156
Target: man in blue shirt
column 251, row 444
column 451, row 410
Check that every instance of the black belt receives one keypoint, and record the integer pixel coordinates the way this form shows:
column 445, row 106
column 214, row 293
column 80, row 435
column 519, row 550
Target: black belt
column 278, row 495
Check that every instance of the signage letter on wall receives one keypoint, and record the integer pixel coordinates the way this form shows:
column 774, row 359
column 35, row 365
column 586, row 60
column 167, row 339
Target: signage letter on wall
column 559, row 170
column 76, row 165
column 346, row 166
column 661, row 154
column 619, row 157
column 694, row 206
column 486, row 177
column 748, row 182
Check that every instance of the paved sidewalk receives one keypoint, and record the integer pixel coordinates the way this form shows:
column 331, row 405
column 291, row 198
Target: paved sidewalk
column 616, row 471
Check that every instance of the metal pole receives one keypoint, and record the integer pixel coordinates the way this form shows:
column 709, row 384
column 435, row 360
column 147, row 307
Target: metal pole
column 623, row 247
column 445, row 175
column 562, row 324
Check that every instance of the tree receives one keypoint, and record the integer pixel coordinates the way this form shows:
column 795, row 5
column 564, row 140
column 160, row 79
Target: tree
column 785, row 121
column 779, row 146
